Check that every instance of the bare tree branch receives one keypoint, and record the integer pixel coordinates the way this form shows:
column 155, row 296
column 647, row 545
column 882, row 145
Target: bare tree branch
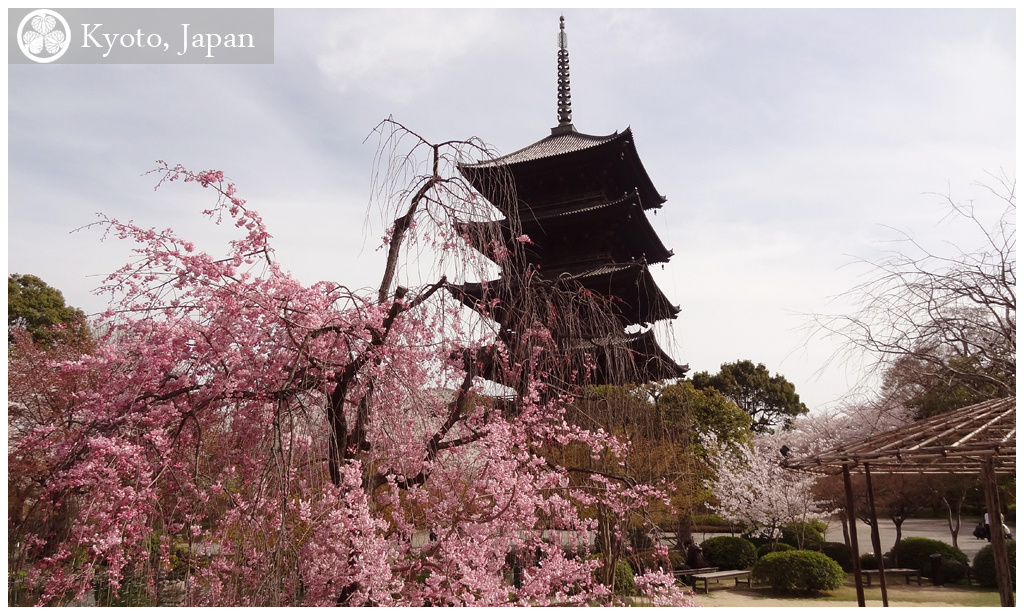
column 929, row 321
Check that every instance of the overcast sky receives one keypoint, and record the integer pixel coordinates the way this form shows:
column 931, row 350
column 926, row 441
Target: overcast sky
column 786, row 141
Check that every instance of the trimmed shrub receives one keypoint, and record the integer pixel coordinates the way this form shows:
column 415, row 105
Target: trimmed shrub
column 729, row 552
column 915, row 553
column 868, row 561
column 624, row 584
column 984, row 567
column 840, row 553
column 676, row 558
column 953, row 570
column 801, row 571
column 813, row 533
column 709, row 520
column 766, row 548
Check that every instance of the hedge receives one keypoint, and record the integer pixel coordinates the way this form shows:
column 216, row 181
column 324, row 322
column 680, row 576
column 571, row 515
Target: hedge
column 727, row 552
column 624, row 584
column 813, row 534
column 915, row 552
column 838, row 552
column 984, row 568
column 779, row 547
column 802, row 571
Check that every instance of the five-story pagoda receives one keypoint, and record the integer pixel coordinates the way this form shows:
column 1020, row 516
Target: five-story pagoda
column 574, row 209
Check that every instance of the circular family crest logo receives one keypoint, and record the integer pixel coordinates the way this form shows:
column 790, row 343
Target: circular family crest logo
column 44, row 36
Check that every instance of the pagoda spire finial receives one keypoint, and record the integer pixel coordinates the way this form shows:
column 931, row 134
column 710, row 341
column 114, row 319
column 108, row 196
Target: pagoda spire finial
column 564, row 96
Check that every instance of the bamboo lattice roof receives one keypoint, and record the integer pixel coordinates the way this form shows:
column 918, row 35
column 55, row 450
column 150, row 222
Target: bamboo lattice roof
column 955, row 442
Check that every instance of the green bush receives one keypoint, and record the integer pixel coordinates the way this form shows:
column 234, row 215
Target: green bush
column 868, row 561
column 624, row 585
column 840, row 553
column 812, row 533
column 676, row 559
column 984, row 567
column 915, row 553
column 709, row 520
column 726, row 552
column 799, row 570
column 766, row 548
column 953, row 570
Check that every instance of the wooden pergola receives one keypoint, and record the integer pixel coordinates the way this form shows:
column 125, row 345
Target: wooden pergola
column 978, row 439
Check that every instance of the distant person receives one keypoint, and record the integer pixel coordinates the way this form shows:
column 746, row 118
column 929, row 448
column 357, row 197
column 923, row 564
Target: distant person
column 694, row 556
column 980, row 531
column 988, row 528
column 686, row 555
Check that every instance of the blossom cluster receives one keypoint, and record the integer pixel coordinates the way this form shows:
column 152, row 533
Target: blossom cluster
column 272, row 443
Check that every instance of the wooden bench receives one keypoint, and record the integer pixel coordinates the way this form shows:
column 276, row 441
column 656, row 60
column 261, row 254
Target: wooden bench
column 739, row 574
column 686, row 575
column 906, row 573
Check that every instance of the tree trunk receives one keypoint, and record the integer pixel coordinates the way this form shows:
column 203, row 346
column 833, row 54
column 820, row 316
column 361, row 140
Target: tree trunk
column 954, row 516
column 608, row 545
column 684, row 530
column 898, row 521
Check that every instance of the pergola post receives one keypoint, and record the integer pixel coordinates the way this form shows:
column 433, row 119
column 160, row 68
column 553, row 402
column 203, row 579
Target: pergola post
column 851, row 513
column 876, row 541
column 980, row 437
column 995, row 517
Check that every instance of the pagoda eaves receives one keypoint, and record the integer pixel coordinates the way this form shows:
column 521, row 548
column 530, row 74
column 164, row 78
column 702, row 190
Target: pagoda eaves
column 633, row 296
column 617, row 230
column 567, row 166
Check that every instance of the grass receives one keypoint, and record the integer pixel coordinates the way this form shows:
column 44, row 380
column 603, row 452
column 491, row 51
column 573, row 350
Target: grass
column 961, row 595
column 955, row 595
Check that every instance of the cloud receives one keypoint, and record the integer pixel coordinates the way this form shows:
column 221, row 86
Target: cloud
column 395, row 56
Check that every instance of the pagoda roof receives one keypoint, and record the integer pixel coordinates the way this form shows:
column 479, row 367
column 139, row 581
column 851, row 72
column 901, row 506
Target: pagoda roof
column 568, row 312
column 619, row 229
column 635, row 295
column 566, row 142
column 565, row 166
column 628, row 358
column 615, row 359
column 630, row 288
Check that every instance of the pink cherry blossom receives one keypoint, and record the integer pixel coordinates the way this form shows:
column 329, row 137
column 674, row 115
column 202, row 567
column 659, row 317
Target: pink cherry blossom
column 272, row 443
